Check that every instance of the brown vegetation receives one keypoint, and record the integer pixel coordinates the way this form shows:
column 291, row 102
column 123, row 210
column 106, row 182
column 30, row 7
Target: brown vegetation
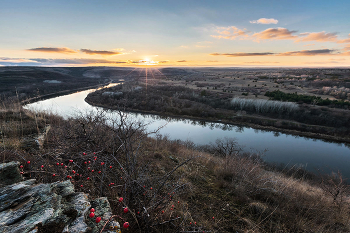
column 186, row 102
column 214, row 189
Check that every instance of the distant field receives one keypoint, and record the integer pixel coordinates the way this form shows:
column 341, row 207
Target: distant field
column 253, row 83
column 26, row 82
column 319, row 98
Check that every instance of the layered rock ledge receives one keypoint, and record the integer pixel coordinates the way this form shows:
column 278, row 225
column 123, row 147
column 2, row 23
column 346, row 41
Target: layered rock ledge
column 26, row 206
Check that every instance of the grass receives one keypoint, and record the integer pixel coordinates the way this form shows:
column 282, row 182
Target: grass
column 172, row 186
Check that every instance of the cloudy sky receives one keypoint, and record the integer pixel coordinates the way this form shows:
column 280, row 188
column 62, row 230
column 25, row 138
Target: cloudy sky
column 175, row 33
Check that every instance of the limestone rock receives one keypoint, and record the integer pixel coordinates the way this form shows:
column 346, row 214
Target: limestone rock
column 36, row 208
column 9, row 173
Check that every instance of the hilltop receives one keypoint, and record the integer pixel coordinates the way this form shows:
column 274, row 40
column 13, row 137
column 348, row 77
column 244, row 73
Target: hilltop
column 171, row 186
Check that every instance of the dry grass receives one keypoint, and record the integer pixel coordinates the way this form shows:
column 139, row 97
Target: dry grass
column 237, row 190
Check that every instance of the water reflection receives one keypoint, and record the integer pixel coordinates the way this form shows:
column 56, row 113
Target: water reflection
column 282, row 148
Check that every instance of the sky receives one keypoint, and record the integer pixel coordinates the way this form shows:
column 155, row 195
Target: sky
column 232, row 33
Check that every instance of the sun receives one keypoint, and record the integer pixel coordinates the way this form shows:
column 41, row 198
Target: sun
column 148, row 62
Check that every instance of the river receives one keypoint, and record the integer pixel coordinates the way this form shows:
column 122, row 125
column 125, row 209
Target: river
column 312, row 154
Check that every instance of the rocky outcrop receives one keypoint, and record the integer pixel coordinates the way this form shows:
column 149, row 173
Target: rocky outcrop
column 30, row 207
column 9, row 173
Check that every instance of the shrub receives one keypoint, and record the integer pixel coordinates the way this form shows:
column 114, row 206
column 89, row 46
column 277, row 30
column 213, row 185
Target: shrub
column 263, row 106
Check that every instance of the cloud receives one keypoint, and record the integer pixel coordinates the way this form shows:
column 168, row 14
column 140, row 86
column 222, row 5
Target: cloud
column 182, row 61
column 213, row 61
column 75, row 61
column 202, row 46
column 293, row 53
column 6, row 61
column 275, row 34
column 163, row 61
column 323, row 62
column 308, row 52
column 340, row 59
column 309, row 45
column 230, row 33
column 52, row 62
column 265, row 21
column 317, row 36
column 259, row 62
column 241, row 54
column 52, row 50
column 184, row 46
column 100, row 52
column 344, row 41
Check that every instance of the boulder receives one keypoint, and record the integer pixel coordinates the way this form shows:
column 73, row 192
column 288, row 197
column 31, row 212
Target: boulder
column 30, row 207
column 9, row 173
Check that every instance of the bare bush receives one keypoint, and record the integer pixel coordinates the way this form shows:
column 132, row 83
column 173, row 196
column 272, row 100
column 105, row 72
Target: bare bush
column 263, row 106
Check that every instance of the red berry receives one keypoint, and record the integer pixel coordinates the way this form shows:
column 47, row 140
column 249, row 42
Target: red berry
column 102, row 163
column 65, row 166
column 213, row 217
column 94, row 153
column 67, row 177
column 98, row 219
column 57, row 164
column 85, row 162
column 88, row 178
column 81, row 185
column 71, row 160
column 112, row 183
column 88, row 168
column 28, row 162
column 110, row 166
column 84, row 153
column 73, row 172
column 163, row 211
column 126, row 209
column 151, row 188
column 92, row 210
column 61, row 164
column 121, row 199
column 92, row 170
column 138, row 212
column 53, row 174
column 92, row 214
column 126, row 225
column 42, row 166
column 21, row 166
column 195, row 222
column 89, row 161
column 190, row 223
column 21, row 173
column 99, row 172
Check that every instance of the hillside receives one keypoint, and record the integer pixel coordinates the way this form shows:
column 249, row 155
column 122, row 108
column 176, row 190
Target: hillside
column 171, row 186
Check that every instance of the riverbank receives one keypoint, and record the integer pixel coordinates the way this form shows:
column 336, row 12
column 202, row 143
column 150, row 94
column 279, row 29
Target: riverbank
column 205, row 191
column 242, row 121
column 60, row 93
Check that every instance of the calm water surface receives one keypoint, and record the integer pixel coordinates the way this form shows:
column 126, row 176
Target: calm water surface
column 281, row 148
